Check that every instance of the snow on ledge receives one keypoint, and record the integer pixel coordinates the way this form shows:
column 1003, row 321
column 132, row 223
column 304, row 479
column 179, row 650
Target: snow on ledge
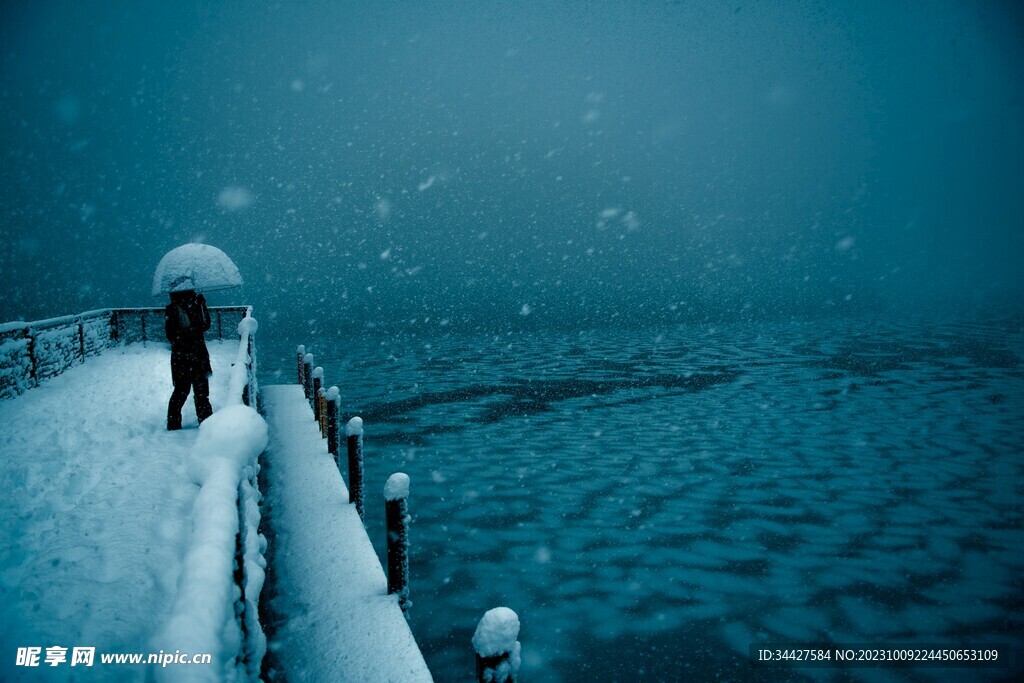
column 203, row 616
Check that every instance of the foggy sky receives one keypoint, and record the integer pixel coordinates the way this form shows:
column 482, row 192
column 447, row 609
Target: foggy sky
column 542, row 163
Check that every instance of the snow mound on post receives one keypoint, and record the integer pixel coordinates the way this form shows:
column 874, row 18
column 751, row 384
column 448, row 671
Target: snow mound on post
column 234, row 435
column 203, row 616
column 496, row 633
column 397, row 486
column 247, row 325
column 318, row 372
column 333, row 394
column 354, row 427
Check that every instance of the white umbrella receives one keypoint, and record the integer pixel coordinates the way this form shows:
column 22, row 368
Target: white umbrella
column 195, row 266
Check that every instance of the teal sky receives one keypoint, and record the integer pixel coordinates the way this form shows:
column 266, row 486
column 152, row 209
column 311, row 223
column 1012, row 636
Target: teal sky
column 516, row 163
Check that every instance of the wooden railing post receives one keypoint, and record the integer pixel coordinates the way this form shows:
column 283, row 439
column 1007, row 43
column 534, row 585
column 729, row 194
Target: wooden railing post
column 354, row 443
column 496, row 642
column 321, row 407
column 300, row 354
column 307, row 375
column 318, row 382
column 333, row 399
column 396, row 508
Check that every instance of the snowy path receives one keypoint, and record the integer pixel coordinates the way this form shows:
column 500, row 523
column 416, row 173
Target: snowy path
column 97, row 513
column 340, row 624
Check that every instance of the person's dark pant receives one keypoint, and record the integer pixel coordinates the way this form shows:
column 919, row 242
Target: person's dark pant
column 199, row 384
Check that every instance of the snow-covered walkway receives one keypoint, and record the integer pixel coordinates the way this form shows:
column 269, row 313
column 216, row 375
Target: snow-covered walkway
column 97, row 506
column 340, row 624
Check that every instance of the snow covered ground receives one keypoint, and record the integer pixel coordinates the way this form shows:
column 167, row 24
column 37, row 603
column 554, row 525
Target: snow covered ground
column 650, row 502
column 97, row 508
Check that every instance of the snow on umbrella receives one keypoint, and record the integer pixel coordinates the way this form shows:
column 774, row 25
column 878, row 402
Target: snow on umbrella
column 195, row 266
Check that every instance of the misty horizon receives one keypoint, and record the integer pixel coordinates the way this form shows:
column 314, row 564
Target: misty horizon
column 575, row 165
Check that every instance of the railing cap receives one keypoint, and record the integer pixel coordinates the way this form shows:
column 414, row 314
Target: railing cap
column 397, row 486
column 354, row 427
column 13, row 326
column 248, row 324
column 497, row 632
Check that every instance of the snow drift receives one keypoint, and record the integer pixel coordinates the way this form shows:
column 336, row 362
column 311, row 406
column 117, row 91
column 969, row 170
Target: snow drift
column 203, row 616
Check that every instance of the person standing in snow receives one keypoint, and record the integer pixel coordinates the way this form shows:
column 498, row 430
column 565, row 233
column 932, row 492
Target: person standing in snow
column 186, row 320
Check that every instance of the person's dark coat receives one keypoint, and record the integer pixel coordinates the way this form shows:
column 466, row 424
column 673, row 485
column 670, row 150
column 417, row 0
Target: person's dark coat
column 186, row 320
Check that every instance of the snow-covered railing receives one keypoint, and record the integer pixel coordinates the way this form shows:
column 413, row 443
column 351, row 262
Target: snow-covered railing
column 496, row 638
column 496, row 642
column 32, row 352
column 243, row 387
column 217, row 608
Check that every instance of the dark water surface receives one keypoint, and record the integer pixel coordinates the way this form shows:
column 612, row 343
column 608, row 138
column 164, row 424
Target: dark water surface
column 650, row 502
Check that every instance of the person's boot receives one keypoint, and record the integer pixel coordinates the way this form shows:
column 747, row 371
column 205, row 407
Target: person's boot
column 173, row 423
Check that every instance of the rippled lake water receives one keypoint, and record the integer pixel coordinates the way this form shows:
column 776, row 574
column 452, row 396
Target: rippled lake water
column 650, row 502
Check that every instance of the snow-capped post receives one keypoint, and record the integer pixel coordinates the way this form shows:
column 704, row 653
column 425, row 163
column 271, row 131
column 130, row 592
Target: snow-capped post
column 318, row 382
column 396, row 509
column 320, row 412
column 354, row 442
column 300, row 354
column 307, row 376
column 247, row 330
column 333, row 398
column 496, row 642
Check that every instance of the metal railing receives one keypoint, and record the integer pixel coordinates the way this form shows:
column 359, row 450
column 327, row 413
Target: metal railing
column 244, row 389
column 32, row 352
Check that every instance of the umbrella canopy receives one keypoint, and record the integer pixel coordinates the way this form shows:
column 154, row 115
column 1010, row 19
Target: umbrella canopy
column 195, row 266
